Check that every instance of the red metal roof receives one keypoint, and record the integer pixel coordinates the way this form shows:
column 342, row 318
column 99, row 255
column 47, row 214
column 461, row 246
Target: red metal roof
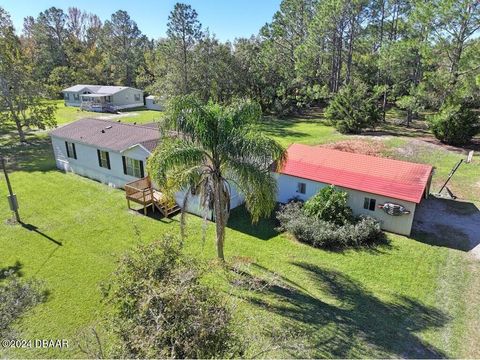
column 391, row 178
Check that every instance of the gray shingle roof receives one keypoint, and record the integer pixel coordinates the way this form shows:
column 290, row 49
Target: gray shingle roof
column 96, row 89
column 106, row 134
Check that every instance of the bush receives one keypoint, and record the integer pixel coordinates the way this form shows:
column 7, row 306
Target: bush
column 329, row 205
column 163, row 310
column 362, row 231
column 454, row 124
column 353, row 109
column 16, row 297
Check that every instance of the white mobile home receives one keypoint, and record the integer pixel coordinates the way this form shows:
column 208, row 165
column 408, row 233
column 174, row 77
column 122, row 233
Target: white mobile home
column 153, row 102
column 103, row 98
column 370, row 182
column 113, row 153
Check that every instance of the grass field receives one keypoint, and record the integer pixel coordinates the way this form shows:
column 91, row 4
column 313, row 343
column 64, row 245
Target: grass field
column 66, row 114
column 408, row 299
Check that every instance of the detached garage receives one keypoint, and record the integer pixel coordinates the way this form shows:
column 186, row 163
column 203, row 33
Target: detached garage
column 385, row 189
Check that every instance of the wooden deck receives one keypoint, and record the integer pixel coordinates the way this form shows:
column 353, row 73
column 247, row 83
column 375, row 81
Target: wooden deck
column 142, row 192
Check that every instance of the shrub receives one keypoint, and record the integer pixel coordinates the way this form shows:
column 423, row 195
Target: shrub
column 16, row 297
column 353, row 109
column 454, row 124
column 163, row 310
column 362, row 231
column 329, row 205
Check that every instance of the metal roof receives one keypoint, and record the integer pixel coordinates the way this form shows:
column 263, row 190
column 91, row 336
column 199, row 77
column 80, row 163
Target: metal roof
column 382, row 176
column 106, row 134
column 97, row 89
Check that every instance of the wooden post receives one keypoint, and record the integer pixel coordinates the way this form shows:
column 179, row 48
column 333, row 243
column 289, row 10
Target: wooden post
column 144, row 203
column 10, row 191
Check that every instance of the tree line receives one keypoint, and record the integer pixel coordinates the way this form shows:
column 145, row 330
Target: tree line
column 412, row 54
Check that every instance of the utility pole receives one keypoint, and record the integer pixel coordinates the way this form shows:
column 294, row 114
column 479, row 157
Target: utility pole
column 12, row 198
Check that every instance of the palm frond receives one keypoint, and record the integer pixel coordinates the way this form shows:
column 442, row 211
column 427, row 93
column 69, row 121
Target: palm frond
column 257, row 185
column 250, row 144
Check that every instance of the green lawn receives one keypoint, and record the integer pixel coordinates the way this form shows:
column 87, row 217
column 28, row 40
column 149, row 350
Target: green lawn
column 66, row 114
column 406, row 299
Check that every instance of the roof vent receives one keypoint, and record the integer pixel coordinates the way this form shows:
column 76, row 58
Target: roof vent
column 103, row 131
column 108, row 127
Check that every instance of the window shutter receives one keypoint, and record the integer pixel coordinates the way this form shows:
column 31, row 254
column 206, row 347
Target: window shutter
column 99, row 158
column 66, row 146
column 108, row 160
column 124, row 161
column 74, row 151
column 142, row 173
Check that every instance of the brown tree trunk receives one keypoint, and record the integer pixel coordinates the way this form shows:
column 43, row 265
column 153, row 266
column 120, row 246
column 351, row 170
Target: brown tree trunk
column 409, row 117
column 20, row 131
column 350, row 49
column 382, row 21
column 220, row 218
column 384, row 104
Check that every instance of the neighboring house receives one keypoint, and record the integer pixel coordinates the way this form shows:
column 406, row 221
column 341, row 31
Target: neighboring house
column 370, row 182
column 113, row 153
column 103, row 98
column 153, row 102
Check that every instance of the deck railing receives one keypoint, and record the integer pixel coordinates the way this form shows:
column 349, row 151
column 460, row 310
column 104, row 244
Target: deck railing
column 141, row 191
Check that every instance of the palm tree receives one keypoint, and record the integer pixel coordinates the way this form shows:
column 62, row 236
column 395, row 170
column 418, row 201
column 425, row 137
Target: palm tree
column 207, row 149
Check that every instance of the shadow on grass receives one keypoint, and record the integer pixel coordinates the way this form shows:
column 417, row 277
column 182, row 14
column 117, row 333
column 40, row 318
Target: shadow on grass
column 12, row 269
column 35, row 155
column 154, row 215
column 240, row 220
column 35, row 229
column 135, row 109
column 448, row 223
column 350, row 321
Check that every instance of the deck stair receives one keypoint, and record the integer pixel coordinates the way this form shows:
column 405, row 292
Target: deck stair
column 142, row 192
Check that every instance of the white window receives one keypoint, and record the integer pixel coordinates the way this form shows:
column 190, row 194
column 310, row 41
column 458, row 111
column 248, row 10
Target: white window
column 66, row 96
column 71, row 151
column 137, row 97
column 133, row 167
column 301, row 188
column 76, row 96
column 103, row 159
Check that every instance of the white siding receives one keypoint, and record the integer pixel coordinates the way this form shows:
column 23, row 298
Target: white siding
column 152, row 105
column 287, row 189
column 194, row 206
column 87, row 165
column 126, row 98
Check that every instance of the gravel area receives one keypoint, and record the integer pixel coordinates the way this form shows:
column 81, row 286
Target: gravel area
column 450, row 223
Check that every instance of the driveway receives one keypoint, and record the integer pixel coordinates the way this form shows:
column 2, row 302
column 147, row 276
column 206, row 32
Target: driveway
column 450, row 223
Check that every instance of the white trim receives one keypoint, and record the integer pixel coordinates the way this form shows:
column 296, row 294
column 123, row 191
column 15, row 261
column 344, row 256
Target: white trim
column 133, row 146
column 129, row 106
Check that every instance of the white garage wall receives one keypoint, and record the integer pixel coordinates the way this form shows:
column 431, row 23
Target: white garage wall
column 287, row 189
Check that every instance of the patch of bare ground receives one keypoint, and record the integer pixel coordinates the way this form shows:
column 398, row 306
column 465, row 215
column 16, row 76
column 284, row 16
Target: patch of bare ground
column 411, row 148
column 473, row 145
column 358, row 146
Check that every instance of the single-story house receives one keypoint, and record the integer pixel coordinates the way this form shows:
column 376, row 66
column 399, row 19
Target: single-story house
column 370, row 182
column 153, row 102
column 113, row 153
column 103, row 98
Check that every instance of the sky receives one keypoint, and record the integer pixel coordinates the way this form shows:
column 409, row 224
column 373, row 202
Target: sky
column 227, row 19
